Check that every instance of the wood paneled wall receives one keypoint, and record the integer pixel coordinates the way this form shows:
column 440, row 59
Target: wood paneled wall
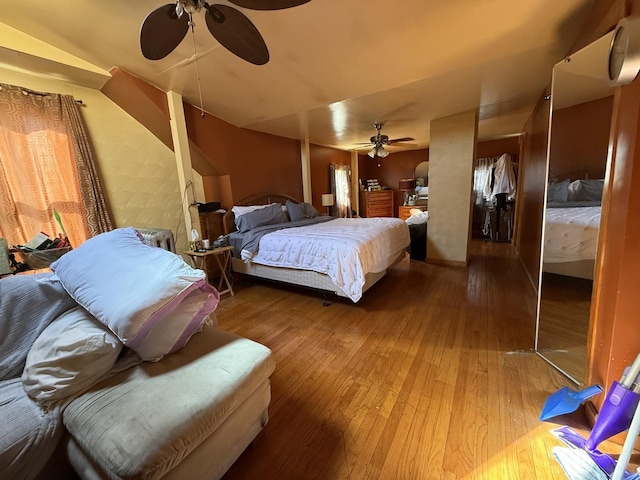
column 530, row 196
column 615, row 336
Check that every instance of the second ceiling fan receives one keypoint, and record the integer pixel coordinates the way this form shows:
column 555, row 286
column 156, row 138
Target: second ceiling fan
column 378, row 141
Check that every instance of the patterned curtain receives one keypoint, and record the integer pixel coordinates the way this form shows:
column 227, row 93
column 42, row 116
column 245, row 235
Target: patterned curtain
column 93, row 199
column 46, row 164
column 341, row 188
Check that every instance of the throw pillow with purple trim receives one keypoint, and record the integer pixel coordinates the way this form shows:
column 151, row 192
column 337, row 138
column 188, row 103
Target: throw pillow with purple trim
column 149, row 297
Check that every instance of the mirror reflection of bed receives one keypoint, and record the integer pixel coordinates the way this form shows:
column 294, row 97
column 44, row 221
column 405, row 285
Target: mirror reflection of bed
column 581, row 108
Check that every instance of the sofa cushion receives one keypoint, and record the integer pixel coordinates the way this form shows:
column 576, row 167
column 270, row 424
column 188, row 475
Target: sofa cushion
column 27, row 306
column 29, row 435
column 144, row 421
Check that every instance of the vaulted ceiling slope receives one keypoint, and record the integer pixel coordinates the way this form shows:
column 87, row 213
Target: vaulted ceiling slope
column 336, row 68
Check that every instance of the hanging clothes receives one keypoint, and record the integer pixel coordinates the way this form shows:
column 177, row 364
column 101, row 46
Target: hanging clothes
column 504, row 178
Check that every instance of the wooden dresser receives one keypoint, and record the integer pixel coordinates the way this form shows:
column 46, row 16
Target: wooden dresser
column 404, row 211
column 378, row 203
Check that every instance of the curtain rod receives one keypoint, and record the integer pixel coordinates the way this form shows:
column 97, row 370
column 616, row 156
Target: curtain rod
column 44, row 94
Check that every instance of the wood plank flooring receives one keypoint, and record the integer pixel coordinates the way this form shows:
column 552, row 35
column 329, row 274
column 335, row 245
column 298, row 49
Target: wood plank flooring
column 430, row 376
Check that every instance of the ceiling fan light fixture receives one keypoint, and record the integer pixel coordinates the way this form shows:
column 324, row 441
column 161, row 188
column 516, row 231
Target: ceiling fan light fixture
column 372, row 153
column 382, row 153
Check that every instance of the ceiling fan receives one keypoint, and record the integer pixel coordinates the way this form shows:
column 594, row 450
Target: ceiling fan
column 379, row 140
column 165, row 27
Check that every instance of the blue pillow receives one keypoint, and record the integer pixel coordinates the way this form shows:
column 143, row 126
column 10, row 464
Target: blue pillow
column 590, row 191
column 299, row 211
column 271, row 215
column 558, row 192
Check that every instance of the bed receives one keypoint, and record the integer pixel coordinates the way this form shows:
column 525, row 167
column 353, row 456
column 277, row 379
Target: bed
column 572, row 222
column 343, row 256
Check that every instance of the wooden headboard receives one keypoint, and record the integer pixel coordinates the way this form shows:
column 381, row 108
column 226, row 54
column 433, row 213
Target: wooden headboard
column 228, row 220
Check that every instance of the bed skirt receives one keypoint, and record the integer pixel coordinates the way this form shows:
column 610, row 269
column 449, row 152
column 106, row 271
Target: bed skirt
column 305, row 278
column 579, row 268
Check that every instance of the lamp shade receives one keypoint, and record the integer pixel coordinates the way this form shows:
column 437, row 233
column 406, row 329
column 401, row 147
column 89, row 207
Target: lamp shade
column 407, row 184
column 327, row 199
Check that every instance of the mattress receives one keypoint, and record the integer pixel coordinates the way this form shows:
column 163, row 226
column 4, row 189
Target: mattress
column 571, row 234
column 344, row 249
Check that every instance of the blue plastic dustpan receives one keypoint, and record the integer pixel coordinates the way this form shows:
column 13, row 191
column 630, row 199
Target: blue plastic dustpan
column 566, row 400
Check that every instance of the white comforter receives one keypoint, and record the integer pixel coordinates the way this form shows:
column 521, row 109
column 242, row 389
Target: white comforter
column 571, row 234
column 345, row 249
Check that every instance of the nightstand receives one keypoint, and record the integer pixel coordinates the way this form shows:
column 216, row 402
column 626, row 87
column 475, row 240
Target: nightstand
column 404, row 211
column 222, row 256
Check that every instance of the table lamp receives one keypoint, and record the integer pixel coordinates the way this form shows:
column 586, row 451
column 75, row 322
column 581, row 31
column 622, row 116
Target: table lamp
column 327, row 201
column 408, row 187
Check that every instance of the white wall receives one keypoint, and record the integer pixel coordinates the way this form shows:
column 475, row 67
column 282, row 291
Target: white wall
column 451, row 154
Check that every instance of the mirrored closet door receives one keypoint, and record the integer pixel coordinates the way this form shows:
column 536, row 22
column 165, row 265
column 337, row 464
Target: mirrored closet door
column 581, row 107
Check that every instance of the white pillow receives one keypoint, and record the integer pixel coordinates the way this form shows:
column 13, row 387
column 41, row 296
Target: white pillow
column 239, row 210
column 574, row 190
column 418, row 218
column 69, row 356
column 132, row 288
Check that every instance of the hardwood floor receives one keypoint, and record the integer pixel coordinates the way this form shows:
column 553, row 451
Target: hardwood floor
column 564, row 322
column 430, row 376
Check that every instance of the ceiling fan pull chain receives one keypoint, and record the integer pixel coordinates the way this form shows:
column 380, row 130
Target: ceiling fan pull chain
column 195, row 54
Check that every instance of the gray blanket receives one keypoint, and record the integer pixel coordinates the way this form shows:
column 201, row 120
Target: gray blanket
column 28, row 435
column 27, row 307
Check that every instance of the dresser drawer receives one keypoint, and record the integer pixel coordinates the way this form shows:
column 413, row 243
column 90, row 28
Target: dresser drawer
column 376, row 204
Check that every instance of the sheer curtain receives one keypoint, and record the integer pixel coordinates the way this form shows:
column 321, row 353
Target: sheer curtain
column 482, row 179
column 46, row 164
column 341, row 188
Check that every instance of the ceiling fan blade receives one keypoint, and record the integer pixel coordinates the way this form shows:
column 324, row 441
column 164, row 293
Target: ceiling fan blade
column 162, row 31
column 268, row 4
column 237, row 33
column 403, row 139
column 403, row 144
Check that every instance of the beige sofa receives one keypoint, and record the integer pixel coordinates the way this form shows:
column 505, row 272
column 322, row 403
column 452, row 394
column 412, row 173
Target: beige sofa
column 190, row 415
column 74, row 391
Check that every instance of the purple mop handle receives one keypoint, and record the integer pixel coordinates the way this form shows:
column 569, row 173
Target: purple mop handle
column 615, row 415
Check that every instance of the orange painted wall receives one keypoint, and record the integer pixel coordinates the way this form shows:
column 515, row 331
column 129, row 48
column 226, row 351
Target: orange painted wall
column 320, row 158
column 580, row 139
column 256, row 162
column 390, row 170
column 495, row 148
